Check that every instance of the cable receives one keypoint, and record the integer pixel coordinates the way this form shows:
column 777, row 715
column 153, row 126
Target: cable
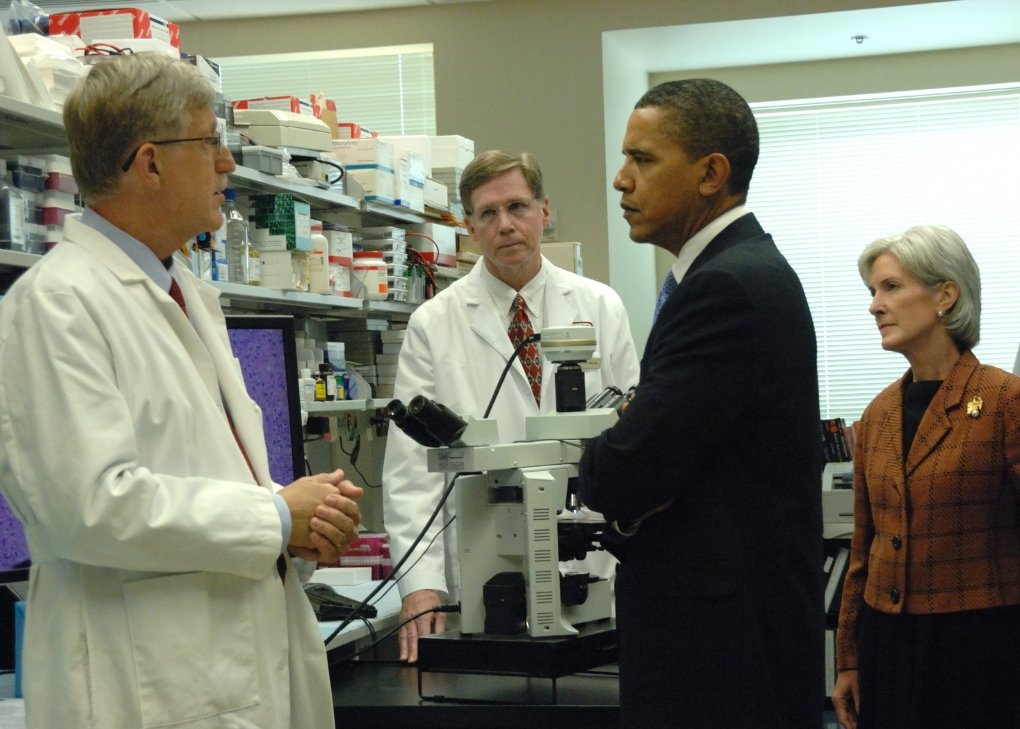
column 438, row 609
column 353, row 456
column 509, row 363
column 395, row 578
column 396, row 568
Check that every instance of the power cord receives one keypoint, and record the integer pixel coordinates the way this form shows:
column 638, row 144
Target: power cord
column 452, row 608
column 395, row 578
column 397, row 567
column 509, row 363
column 353, row 456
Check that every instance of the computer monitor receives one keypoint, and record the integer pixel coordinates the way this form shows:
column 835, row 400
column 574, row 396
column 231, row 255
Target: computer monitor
column 265, row 347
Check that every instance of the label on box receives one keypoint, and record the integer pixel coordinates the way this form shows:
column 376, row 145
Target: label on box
column 115, row 23
column 279, row 103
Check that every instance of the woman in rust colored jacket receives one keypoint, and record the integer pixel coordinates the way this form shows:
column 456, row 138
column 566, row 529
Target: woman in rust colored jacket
column 929, row 625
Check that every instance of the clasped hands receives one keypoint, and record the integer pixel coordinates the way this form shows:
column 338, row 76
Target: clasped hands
column 324, row 516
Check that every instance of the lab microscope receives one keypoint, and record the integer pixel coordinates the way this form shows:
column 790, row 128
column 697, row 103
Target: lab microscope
column 517, row 519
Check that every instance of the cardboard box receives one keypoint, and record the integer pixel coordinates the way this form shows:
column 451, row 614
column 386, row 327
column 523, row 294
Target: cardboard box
column 419, row 144
column 90, row 25
column 364, row 151
column 452, row 150
column 410, row 182
column 377, row 183
column 350, row 130
column 325, row 109
column 564, row 255
column 210, row 71
column 445, row 238
column 436, row 195
column 366, row 551
column 280, row 103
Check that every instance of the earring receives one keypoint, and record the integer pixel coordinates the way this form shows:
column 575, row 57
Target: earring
column 940, row 312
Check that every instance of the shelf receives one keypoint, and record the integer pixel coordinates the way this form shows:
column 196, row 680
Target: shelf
column 28, row 129
column 17, row 259
column 334, row 407
column 318, row 198
column 389, row 307
column 243, row 296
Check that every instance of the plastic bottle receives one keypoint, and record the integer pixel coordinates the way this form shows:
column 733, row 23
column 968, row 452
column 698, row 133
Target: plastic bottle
column 238, row 245
column 254, row 258
column 306, row 386
column 369, row 280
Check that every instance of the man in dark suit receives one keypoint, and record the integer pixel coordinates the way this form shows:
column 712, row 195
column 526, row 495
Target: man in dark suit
column 712, row 475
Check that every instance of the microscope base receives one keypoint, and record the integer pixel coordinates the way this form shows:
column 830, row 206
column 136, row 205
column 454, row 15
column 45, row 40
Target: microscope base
column 519, row 655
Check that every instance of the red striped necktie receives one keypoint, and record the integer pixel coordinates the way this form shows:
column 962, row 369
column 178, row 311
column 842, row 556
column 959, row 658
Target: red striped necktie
column 531, row 360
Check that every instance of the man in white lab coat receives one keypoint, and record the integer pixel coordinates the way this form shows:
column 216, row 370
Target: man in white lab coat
column 162, row 588
column 455, row 348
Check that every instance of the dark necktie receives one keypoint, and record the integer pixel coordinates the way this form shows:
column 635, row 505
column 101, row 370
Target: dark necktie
column 668, row 286
column 531, row 360
column 178, row 296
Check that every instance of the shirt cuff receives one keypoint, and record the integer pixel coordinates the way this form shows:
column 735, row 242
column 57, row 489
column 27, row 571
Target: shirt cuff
column 286, row 525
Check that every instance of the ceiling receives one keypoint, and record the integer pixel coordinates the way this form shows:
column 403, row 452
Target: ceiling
column 902, row 29
column 182, row 11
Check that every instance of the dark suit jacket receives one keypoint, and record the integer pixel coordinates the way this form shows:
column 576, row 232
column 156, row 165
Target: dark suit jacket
column 725, row 422
column 939, row 531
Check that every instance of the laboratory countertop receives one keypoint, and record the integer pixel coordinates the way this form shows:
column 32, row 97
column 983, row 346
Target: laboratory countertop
column 384, row 695
column 386, row 603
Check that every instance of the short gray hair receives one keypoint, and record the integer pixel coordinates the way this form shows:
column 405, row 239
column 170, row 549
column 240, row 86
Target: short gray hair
column 934, row 254
column 124, row 101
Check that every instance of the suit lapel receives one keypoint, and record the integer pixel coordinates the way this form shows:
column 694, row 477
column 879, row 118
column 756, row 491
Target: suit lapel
column 936, row 424
column 209, row 324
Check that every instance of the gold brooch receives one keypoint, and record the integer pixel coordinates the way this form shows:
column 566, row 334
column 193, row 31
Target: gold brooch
column 974, row 407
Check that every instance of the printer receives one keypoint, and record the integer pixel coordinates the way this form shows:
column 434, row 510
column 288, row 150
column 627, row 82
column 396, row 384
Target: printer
column 837, row 500
column 276, row 128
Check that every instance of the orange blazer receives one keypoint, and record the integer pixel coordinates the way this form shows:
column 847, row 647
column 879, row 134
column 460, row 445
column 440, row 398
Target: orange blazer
column 939, row 530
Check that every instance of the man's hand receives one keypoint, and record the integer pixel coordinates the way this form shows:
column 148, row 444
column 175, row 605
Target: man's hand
column 417, row 602
column 846, row 699
column 324, row 515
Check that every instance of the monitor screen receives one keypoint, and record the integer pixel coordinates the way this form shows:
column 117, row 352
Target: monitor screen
column 13, row 548
column 265, row 347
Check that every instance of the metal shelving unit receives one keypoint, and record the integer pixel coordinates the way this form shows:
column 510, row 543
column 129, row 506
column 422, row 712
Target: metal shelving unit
column 26, row 129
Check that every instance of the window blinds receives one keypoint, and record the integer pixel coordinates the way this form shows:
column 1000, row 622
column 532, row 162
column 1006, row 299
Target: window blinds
column 836, row 174
column 388, row 90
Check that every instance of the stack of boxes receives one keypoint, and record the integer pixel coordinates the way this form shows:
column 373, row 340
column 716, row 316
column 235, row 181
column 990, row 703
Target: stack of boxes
column 36, row 195
column 369, row 550
column 451, row 153
column 372, row 352
column 370, row 163
column 392, row 242
column 341, row 257
column 386, row 361
column 121, row 28
column 282, row 233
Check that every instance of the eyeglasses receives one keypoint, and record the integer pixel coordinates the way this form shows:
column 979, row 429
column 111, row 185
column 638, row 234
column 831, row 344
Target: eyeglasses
column 215, row 142
column 516, row 209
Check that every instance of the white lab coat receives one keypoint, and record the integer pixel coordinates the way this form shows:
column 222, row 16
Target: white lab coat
column 454, row 350
column 154, row 598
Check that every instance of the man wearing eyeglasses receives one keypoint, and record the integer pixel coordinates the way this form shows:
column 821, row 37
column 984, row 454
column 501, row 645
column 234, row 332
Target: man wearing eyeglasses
column 163, row 587
column 455, row 348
